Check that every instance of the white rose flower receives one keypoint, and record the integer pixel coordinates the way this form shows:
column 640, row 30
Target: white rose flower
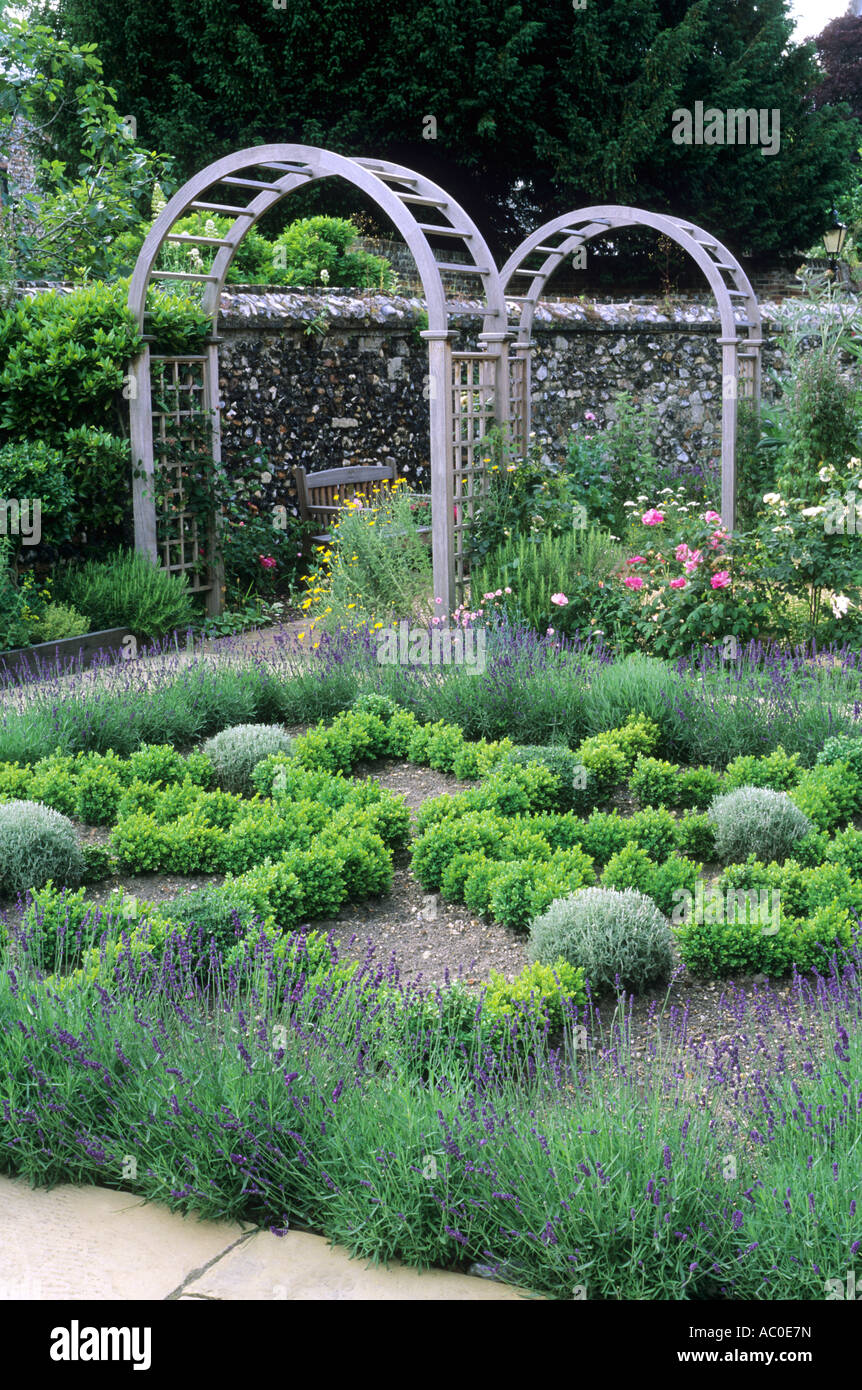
column 770, row 498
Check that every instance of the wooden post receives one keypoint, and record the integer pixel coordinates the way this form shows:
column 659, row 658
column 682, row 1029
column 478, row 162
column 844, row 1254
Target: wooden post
column 215, row 560
column 729, row 412
column 442, row 445
column 141, row 431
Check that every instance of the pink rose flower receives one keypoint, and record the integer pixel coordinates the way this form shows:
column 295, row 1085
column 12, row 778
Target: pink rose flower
column 652, row 517
column 268, row 562
column 637, row 560
column 678, row 583
column 633, row 581
column 720, row 579
column 711, row 516
column 694, row 559
column 588, row 415
column 559, row 599
column 682, row 552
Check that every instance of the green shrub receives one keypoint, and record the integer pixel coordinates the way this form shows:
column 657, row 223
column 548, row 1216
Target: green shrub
column 845, row 848
column 290, row 954
column 60, row 925
column 191, row 845
column 32, row 471
column 478, row 877
column 697, row 787
column 655, row 782
column 311, row 245
column 365, row 861
column 633, row 868
column 274, row 891
column 741, row 945
column 323, row 874
column 128, row 590
column 613, row 936
column 778, row 770
column 157, row 762
column 545, row 991
column 140, row 844
column 565, row 766
column 514, row 892
column 603, row 834
column 533, row 567
column 653, row 829
column 445, row 742
column 433, row 850
column 218, row 914
column 828, row 795
column 842, row 749
column 695, row 836
column 37, row 844
column 98, row 863
column 97, row 796
column 53, row 783
column 611, row 756
column 512, row 790
column 236, row 752
column 59, row 620
column 756, row 820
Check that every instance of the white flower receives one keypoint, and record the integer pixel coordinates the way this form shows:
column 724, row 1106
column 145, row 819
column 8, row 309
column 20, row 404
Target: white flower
column 853, row 464
column 770, row 498
column 812, row 511
column 826, row 474
column 840, row 604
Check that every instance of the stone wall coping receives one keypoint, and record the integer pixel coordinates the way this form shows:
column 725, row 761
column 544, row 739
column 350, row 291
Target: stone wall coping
column 277, row 308
column 247, row 306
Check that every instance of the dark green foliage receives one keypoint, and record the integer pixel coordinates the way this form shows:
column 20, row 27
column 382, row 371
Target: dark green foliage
column 500, row 80
column 128, row 590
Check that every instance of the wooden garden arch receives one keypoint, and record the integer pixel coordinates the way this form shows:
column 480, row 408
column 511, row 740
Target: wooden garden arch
column 741, row 331
column 464, row 389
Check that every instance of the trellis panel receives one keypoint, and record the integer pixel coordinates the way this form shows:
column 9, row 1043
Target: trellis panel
column 474, row 414
column 181, row 409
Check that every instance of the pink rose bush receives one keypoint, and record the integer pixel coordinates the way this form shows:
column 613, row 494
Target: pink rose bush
column 684, row 594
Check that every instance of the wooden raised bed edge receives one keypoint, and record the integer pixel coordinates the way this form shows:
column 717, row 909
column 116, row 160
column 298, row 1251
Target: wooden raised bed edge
column 70, row 653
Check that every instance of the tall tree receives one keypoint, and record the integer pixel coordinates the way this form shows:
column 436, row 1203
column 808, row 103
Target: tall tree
column 537, row 108
column 839, row 49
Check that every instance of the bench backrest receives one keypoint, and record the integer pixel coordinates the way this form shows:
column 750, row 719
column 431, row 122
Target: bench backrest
column 316, row 492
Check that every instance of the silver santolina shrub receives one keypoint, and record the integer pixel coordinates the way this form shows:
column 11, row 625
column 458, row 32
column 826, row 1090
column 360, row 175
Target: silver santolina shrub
column 236, row 752
column 37, row 844
column 610, row 933
column 758, row 821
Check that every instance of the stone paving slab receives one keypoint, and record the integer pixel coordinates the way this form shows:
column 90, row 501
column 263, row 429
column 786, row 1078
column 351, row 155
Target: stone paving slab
column 302, row 1267
column 93, row 1243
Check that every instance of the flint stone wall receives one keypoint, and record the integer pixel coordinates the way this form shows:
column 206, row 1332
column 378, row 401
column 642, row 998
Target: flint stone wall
column 356, row 392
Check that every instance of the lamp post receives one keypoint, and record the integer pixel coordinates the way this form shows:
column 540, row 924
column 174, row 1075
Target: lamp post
column 833, row 239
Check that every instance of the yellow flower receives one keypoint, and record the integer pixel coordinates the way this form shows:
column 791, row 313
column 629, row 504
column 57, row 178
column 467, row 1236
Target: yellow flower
column 351, row 605
column 301, row 636
column 376, row 626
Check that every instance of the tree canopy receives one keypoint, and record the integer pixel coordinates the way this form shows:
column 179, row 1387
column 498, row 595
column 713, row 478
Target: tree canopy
column 536, row 109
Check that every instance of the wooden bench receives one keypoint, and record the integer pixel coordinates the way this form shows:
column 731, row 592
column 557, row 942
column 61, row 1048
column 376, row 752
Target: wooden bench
column 316, row 492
